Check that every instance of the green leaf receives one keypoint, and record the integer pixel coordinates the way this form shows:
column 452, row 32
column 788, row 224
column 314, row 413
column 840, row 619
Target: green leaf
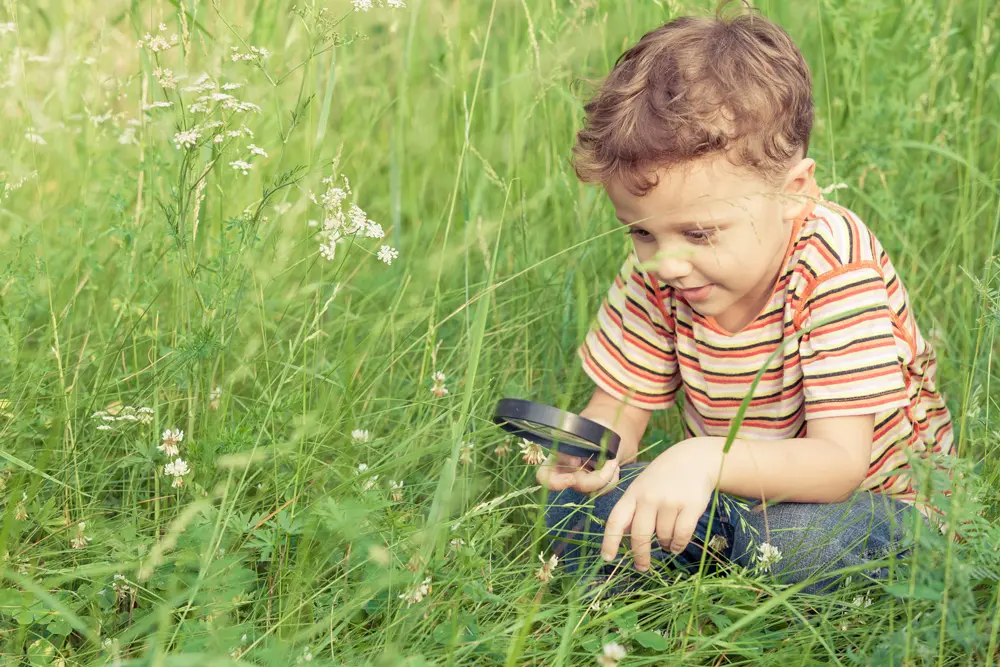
column 920, row 592
column 651, row 640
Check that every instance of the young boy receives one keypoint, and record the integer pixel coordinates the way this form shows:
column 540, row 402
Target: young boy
column 699, row 136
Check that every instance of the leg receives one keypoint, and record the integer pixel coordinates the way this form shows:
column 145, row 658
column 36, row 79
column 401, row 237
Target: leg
column 576, row 522
column 814, row 538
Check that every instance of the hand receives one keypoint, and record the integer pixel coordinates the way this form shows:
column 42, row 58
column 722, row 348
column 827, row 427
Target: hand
column 667, row 498
column 561, row 471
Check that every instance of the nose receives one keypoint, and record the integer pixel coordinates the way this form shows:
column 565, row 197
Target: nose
column 671, row 266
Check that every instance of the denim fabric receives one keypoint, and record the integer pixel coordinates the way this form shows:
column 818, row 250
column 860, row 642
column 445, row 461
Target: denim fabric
column 813, row 538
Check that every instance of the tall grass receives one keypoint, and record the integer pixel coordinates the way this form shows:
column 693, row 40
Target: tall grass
column 139, row 274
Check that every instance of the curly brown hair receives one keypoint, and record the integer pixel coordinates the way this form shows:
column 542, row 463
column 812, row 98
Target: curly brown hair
column 733, row 83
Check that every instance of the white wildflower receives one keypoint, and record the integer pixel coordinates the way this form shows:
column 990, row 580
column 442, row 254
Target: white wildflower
column 439, row 389
column 457, row 543
column 360, row 435
column 611, row 655
column 240, row 165
column 467, row 453
column 255, row 150
column 243, row 130
column 361, row 468
column 32, row 135
column 198, row 107
column 105, row 427
column 531, row 452
column 214, row 398
column 862, row 601
column 387, row 254
column 8, row 28
column 171, row 441
column 365, row 5
column 127, row 137
column 202, row 84
column 503, row 449
column 157, row 105
column 165, row 77
column 187, row 139
column 397, row 491
column 545, row 571
column 417, row 593
column 374, row 230
column 370, row 482
column 176, row 469
column 80, row 540
column 718, row 543
column 21, row 510
column 767, row 556
column 231, row 86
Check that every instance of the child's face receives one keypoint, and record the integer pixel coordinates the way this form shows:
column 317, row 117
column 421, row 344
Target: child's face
column 716, row 233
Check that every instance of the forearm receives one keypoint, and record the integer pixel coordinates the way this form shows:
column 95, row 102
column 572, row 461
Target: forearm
column 815, row 470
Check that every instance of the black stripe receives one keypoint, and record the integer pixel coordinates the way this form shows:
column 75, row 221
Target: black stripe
column 848, row 344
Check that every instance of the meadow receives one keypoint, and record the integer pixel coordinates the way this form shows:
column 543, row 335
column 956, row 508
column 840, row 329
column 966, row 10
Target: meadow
column 234, row 432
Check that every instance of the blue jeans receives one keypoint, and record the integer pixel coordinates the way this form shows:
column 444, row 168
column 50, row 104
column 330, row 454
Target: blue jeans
column 812, row 538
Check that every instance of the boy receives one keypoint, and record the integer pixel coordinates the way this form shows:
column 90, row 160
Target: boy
column 699, row 136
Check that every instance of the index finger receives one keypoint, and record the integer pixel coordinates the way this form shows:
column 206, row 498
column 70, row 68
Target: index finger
column 619, row 519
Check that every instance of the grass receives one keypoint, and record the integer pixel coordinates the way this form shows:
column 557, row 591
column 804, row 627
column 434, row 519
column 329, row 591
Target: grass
column 135, row 274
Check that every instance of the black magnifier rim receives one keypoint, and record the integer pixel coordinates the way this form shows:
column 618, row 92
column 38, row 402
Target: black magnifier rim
column 546, row 415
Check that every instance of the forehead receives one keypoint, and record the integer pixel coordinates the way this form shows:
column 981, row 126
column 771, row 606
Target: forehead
column 702, row 189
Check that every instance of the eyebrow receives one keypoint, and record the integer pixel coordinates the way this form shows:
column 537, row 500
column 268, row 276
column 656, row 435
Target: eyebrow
column 683, row 225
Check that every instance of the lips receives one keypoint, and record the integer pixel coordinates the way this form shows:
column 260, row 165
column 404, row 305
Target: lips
column 693, row 294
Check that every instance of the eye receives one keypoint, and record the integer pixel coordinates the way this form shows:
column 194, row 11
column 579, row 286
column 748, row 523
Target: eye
column 639, row 234
column 700, row 236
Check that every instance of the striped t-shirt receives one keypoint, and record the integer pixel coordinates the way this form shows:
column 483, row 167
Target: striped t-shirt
column 864, row 356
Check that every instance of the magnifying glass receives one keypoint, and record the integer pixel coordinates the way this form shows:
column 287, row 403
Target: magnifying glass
column 556, row 429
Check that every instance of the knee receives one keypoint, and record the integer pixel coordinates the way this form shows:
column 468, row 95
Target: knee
column 561, row 507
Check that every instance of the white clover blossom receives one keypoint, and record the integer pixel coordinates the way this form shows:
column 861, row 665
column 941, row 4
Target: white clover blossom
column 545, row 571
column 80, row 540
column 611, row 654
column 360, row 435
column 438, row 378
column 417, row 592
column 531, row 452
column 177, row 469
column 767, row 556
column 171, row 440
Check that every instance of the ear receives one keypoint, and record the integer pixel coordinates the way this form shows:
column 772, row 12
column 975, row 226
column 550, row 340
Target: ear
column 798, row 188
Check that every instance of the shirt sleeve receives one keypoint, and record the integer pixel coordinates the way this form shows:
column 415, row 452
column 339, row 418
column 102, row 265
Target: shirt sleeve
column 629, row 352
column 850, row 363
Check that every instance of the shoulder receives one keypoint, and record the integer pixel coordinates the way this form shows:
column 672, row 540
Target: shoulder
column 834, row 237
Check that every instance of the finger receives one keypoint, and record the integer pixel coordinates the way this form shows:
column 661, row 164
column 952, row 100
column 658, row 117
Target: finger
column 548, row 475
column 666, row 520
column 612, row 484
column 687, row 522
column 618, row 521
column 643, row 525
column 587, row 482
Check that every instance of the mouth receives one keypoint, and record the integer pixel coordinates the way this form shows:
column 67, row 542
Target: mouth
column 695, row 293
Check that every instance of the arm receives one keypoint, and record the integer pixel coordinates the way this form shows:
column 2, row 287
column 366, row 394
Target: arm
column 826, row 466
column 627, row 421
